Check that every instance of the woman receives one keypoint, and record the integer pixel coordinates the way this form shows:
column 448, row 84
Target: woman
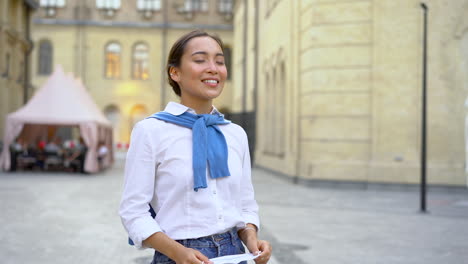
column 192, row 167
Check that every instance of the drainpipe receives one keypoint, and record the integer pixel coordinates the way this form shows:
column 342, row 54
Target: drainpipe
column 253, row 143
column 298, row 110
column 164, row 56
column 244, row 68
column 27, row 56
column 80, row 60
column 255, row 92
column 424, row 110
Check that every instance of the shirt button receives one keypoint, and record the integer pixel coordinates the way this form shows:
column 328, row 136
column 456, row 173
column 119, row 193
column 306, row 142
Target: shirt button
column 214, row 191
column 220, row 217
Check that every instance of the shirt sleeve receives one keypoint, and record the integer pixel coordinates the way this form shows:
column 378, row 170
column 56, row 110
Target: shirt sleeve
column 249, row 204
column 138, row 189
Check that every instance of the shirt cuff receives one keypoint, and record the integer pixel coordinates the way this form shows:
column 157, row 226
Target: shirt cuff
column 252, row 219
column 142, row 229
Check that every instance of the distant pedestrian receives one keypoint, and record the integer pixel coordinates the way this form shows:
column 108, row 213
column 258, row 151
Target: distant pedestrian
column 193, row 167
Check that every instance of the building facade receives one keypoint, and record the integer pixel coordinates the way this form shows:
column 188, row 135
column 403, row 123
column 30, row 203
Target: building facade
column 337, row 88
column 119, row 49
column 15, row 49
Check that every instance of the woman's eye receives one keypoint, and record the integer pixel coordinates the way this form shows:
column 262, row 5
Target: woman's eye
column 220, row 62
column 199, row 61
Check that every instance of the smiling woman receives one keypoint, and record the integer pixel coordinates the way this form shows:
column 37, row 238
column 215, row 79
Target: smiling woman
column 201, row 73
column 188, row 191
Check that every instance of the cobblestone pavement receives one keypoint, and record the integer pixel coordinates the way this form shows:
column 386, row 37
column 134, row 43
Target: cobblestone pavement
column 72, row 218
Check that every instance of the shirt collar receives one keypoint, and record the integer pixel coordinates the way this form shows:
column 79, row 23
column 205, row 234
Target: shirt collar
column 178, row 109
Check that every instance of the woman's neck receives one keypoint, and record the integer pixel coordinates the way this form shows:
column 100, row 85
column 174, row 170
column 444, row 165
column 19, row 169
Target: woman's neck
column 200, row 106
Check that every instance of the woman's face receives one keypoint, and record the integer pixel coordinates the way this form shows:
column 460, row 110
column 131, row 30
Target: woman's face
column 202, row 72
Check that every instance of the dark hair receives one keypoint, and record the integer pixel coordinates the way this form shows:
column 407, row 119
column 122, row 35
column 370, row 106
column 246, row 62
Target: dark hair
column 178, row 50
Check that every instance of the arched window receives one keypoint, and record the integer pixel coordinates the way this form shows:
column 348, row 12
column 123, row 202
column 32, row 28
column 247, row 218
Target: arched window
column 274, row 110
column 45, row 58
column 282, row 109
column 140, row 62
column 227, row 60
column 137, row 113
column 269, row 107
column 6, row 72
column 112, row 60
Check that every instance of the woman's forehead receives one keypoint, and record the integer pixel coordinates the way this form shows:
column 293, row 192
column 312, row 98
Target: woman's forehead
column 203, row 44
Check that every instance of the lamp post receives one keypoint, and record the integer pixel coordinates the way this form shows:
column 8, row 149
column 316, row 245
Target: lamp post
column 423, row 126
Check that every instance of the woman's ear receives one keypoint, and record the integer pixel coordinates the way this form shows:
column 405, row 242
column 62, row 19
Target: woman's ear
column 174, row 73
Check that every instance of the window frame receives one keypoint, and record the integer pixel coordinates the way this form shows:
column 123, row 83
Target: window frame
column 45, row 57
column 106, row 60
column 223, row 3
column 134, row 59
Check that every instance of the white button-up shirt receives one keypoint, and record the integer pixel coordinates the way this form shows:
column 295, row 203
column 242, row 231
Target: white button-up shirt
column 158, row 171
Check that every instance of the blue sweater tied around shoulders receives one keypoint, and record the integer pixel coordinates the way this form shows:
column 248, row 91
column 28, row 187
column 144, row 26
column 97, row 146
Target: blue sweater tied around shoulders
column 209, row 144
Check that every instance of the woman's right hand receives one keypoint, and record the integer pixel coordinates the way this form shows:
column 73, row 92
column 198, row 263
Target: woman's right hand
column 191, row 256
column 174, row 250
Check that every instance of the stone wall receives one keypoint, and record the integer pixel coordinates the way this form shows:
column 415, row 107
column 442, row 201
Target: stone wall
column 341, row 84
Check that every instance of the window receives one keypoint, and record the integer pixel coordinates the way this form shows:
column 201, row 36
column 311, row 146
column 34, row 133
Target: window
column 196, row 5
column 45, row 58
column 227, row 60
column 7, row 66
column 108, row 7
column 114, row 4
column 153, row 5
column 112, row 60
column 274, row 142
column 225, row 6
column 148, row 7
column 140, row 63
column 51, row 6
column 200, row 5
column 20, row 72
column 55, row 3
column 137, row 113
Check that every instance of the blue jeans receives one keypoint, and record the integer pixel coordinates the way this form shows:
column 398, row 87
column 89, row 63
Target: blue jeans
column 218, row 245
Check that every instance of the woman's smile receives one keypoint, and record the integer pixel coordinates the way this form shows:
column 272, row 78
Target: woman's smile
column 211, row 82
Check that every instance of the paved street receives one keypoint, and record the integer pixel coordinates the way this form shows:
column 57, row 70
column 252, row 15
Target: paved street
column 72, row 218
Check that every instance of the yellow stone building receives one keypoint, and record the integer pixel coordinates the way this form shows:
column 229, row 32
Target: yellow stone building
column 118, row 49
column 337, row 87
column 15, row 49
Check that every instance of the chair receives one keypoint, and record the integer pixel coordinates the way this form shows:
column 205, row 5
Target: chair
column 53, row 160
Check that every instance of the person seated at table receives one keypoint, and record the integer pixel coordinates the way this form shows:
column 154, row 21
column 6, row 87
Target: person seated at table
column 26, row 156
column 102, row 153
column 75, row 157
column 53, row 146
column 53, row 154
column 16, row 148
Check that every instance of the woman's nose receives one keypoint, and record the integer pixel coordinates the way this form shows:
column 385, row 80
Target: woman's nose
column 212, row 67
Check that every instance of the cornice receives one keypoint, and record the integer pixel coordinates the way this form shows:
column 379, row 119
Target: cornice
column 72, row 22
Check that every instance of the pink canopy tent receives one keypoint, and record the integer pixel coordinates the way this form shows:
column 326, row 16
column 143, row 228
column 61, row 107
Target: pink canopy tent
column 61, row 101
